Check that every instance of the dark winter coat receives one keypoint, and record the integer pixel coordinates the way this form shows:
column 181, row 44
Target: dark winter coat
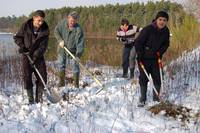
column 35, row 43
column 152, row 40
column 128, row 37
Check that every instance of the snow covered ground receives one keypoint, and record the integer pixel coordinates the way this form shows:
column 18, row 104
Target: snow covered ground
column 113, row 110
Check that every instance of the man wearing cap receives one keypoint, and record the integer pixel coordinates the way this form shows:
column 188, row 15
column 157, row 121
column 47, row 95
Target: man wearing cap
column 32, row 38
column 152, row 41
column 69, row 34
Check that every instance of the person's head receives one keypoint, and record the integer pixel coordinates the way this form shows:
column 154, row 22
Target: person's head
column 124, row 24
column 161, row 19
column 38, row 18
column 72, row 19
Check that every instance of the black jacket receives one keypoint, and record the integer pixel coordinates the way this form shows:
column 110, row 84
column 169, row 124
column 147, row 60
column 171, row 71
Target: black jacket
column 152, row 40
column 35, row 43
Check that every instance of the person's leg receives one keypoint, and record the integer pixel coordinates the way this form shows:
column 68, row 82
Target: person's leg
column 27, row 78
column 132, row 61
column 76, row 73
column 62, row 66
column 155, row 73
column 125, row 61
column 41, row 66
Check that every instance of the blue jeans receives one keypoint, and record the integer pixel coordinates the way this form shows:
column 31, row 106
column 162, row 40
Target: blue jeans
column 64, row 60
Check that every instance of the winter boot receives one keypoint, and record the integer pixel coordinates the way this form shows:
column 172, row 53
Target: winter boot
column 76, row 80
column 61, row 79
column 143, row 91
column 30, row 96
column 131, row 73
column 125, row 72
column 155, row 97
column 141, row 104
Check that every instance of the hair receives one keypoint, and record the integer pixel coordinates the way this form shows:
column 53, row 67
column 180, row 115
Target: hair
column 124, row 21
column 74, row 15
column 39, row 13
column 162, row 14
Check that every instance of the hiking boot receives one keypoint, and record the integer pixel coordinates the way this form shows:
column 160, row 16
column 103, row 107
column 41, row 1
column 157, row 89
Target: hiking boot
column 141, row 104
column 61, row 79
column 156, row 99
column 76, row 80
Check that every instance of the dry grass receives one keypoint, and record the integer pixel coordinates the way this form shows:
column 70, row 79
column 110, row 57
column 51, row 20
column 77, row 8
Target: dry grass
column 172, row 110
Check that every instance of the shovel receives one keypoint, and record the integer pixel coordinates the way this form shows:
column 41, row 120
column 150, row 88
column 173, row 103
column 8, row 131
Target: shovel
column 52, row 95
column 160, row 69
column 95, row 79
column 142, row 66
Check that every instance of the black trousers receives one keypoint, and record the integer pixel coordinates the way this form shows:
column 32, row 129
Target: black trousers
column 152, row 68
column 28, row 70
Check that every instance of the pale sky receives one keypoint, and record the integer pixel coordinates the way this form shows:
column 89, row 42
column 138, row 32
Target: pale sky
column 20, row 7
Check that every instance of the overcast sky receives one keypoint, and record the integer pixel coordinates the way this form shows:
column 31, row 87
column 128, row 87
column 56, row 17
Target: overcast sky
column 20, row 7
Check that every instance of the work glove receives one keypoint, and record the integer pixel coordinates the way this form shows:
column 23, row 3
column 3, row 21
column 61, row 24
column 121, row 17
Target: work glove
column 140, row 58
column 61, row 44
column 123, row 39
column 36, row 55
column 23, row 50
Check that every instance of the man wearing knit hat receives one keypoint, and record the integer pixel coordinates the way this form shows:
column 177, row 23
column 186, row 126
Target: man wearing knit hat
column 152, row 41
column 69, row 34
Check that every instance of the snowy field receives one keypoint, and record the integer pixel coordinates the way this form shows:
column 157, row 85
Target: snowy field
column 113, row 110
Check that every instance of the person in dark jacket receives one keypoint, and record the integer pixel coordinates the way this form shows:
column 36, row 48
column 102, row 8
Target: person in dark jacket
column 126, row 34
column 152, row 41
column 32, row 38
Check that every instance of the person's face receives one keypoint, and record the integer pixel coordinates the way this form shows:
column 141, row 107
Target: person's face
column 124, row 27
column 37, row 21
column 71, row 21
column 161, row 22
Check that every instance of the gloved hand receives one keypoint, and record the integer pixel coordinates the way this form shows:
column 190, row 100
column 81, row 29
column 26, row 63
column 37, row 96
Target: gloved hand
column 61, row 44
column 123, row 39
column 140, row 57
column 23, row 50
column 36, row 55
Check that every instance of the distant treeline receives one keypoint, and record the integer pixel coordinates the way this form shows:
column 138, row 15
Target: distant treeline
column 104, row 20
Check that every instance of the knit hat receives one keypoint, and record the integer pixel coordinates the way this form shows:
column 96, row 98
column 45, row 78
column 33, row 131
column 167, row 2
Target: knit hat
column 74, row 15
column 162, row 14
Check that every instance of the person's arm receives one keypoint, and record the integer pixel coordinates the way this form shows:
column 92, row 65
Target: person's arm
column 165, row 45
column 80, row 43
column 19, row 37
column 140, row 43
column 57, row 32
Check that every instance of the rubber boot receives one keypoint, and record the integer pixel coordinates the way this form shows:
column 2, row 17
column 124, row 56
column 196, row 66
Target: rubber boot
column 143, row 91
column 30, row 96
column 76, row 80
column 61, row 79
column 125, row 72
column 131, row 73
column 39, row 93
